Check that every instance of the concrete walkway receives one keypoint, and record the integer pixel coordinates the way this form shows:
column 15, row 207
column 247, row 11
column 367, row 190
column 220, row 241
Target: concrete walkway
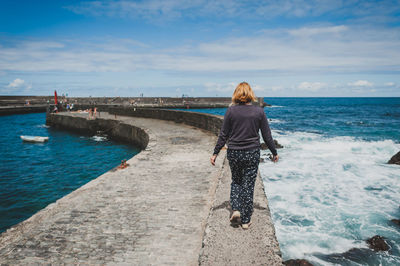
column 152, row 213
column 224, row 244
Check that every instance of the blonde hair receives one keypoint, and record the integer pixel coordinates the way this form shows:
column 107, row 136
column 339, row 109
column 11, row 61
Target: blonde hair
column 243, row 94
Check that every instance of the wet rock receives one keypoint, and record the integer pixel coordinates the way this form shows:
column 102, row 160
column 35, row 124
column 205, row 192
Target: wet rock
column 277, row 145
column 395, row 159
column 262, row 160
column 396, row 221
column 264, row 146
column 358, row 255
column 377, row 243
column 301, row 262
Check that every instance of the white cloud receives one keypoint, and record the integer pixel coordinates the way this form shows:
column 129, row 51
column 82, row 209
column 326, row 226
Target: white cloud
column 361, row 83
column 354, row 51
column 17, row 86
column 390, row 84
column 310, row 31
column 311, row 86
column 257, row 88
column 17, row 83
column 276, row 88
column 230, row 87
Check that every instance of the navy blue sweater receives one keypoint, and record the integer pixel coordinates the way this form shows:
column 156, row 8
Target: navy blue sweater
column 241, row 126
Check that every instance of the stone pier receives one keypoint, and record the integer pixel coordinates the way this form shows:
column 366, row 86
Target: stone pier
column 169, row 207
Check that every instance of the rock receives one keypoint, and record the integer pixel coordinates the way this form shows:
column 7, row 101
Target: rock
column 262, row 160
column 396, row 221
column 357, row 255
column 377, row 243
column 264, row 146
column 301, row 262
column 277, row 145
column 395, row 159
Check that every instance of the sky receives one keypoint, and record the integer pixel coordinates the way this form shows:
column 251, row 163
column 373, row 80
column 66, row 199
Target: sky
column 282, row 48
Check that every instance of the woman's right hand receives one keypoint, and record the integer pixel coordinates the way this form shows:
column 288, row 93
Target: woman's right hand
column 212, row 159
column 275, row 158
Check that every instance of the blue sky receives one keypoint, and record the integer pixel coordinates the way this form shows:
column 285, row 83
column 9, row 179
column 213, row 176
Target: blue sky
column 200, row 47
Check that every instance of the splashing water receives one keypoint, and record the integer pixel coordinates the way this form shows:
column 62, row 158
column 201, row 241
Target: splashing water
column 328, row 195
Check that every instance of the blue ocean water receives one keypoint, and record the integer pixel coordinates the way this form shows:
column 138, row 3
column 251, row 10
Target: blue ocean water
column 35, row 175
column 332, row 189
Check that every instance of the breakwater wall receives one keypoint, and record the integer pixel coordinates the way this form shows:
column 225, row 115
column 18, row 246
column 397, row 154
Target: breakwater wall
column 23, row 100
column 207, row 122
column 11, row 110
column 30, row 104
column 170, row 206
column 124, row 132
column 115, row 129
column 165, row 102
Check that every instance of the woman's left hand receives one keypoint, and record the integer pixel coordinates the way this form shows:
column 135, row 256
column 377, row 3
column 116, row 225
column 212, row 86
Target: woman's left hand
column 212, row 159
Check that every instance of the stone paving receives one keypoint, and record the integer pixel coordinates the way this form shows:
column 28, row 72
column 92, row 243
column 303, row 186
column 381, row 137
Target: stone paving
column 226, row 244
column 152, row 213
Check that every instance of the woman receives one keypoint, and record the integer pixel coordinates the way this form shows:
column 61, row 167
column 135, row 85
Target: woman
column 240, row 128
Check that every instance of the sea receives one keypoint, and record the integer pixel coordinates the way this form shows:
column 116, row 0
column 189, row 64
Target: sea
column 330, row 191
column 332, row 188
column 34, row 175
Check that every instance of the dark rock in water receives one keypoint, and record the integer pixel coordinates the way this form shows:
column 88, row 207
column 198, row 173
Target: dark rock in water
column 378, row 243
column 277, row 145
column 301, row 262
column 262, row 160
column 264, row 146
column 395, row 159
column 362, row 256
column 396, row 221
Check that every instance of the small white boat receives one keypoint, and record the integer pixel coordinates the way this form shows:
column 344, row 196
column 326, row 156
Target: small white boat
column 34, row 138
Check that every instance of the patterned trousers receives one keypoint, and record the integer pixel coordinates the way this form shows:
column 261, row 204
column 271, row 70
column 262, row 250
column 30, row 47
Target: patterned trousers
column 244, row 168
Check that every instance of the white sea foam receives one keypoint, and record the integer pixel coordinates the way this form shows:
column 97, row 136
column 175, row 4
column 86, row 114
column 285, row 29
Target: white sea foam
column 327, row 195
column 276, row 106
column 273, row 120
column 43, row 126
column 99, row 138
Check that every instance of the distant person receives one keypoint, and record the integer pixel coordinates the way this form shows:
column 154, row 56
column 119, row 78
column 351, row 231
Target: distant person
column 240, row 129
column 68, row 107
column 91, row 110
